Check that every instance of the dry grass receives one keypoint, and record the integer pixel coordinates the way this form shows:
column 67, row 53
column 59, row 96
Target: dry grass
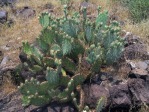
column 8, row 87
column 23, row 29
column 140, row 29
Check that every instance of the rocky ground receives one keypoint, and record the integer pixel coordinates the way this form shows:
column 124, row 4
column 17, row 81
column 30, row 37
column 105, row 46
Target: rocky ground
column 125, row 85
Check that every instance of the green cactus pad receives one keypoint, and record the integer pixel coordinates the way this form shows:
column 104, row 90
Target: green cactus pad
column 69, row 65
column 29, row 87
column 44, row 20
column 49, row 61
column 39, row 100
column 52, row 77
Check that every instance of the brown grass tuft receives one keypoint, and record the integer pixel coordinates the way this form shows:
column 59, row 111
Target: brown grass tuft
column 8, row 86
column 140, row 29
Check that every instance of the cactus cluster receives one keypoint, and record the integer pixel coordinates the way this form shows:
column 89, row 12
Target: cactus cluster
column 70, row 49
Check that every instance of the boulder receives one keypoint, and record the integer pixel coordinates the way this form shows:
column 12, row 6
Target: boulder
column 26, row 12
column 139, row 89
column 135, row 51
column 131, row 39
column 138, row 73
column 141, row 65
column 138, row 64
column 120, row 96
column 7, row 2
column 93, row 93
column 3, row 16
column 10, row 102
column 53, row 107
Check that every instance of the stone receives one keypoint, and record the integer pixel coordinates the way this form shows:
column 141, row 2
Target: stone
column 93, row 93
column 26, row 12
column 3, row 16
column 7, row 2
column 4, row 61
column 138, row 64
column 135, row 51
column 141, row 65
column 138, row 73
column 131, row 39
column 99, row 78
column 139, row 89
column 147, row 62
column 55, row 107
column 120, row 96
column 133, row 65
column 10, row 102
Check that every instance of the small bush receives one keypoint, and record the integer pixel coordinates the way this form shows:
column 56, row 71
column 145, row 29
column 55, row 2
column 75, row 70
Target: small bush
column 139, row 9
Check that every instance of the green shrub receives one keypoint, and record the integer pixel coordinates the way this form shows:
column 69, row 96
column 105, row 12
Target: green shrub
column 139, row 9
column 70, row 49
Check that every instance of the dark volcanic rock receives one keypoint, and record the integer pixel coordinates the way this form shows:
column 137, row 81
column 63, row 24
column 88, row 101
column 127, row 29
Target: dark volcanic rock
column 136, row 51
column 7, row 2
column 26, row 12
column 131, row 39
column 54, row 107
column 93, row 93
column 142, row 65
column 138, row 73
column 3, row 16
column 120, row 96
column 139, row 90
column 10, row 102
column 66, row 107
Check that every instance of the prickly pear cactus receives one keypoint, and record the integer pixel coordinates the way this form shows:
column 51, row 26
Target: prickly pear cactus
column 70, row 49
